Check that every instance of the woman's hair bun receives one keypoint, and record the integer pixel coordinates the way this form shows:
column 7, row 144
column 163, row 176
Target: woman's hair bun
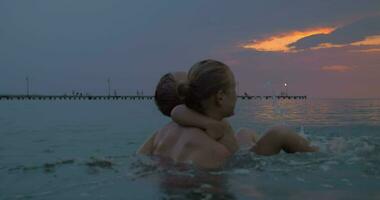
column 183, row 89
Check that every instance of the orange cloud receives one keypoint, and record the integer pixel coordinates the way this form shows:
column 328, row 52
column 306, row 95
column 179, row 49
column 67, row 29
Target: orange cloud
column 368, row 41
column 336, row 68
column 280, row 42
column 327, row 45
column 371, row 40
column 374, row 50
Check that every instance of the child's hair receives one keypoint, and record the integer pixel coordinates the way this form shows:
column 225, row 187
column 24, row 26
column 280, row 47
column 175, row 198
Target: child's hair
column 166, row 96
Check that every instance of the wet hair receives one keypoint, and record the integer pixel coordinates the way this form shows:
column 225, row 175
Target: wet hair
column 166, row 96
column 205, row 79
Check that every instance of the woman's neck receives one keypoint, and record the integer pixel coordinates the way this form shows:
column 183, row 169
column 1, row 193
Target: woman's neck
column 214, row 115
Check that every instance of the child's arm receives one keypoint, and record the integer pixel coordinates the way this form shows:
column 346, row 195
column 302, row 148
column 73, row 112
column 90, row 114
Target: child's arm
column 187, row 117
column 218, row 130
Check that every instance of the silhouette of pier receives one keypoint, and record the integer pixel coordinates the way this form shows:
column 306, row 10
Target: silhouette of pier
column 140, row 97
column 72, row 97
column 246, row 97
column 78, row 95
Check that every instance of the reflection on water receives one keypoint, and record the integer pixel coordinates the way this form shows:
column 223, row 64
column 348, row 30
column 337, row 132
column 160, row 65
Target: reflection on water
column 85, row 150
column 310, row 112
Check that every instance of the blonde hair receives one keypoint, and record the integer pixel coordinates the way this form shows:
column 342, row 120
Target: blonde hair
column 205, row 79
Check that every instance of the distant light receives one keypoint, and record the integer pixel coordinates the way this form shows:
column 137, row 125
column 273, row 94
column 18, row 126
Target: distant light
column 286, row 84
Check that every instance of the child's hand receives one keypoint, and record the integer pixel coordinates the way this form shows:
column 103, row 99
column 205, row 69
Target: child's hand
column 217, row 129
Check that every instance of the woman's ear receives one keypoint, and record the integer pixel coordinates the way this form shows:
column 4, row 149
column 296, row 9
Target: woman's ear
column 219, row 97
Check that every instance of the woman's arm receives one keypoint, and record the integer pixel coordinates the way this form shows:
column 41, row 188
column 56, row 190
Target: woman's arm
column 282, row 138
column 218, row 130
column 148, row 147
column 246, row 138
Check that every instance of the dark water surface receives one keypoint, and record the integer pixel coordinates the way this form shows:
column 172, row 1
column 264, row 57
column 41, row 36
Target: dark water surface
column 85, row 150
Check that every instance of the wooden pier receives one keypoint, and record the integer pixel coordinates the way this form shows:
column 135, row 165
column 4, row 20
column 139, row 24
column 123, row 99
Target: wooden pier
column 246, row 97
column 87, row 97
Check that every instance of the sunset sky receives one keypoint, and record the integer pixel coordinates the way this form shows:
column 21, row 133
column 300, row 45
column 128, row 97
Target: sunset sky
column 319, row 48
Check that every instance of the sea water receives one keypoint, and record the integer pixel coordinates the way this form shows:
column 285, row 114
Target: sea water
column 86, row 150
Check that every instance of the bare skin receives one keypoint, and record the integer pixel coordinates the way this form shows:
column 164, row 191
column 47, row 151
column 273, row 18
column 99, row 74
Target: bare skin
column 282, row 138
column 218, row 130
column 186, row 144
column 272, row 142
column 182, row 144
column 210, row 144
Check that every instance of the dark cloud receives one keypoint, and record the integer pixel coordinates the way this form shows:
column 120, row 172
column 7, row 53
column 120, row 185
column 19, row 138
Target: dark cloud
column 347, row 34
